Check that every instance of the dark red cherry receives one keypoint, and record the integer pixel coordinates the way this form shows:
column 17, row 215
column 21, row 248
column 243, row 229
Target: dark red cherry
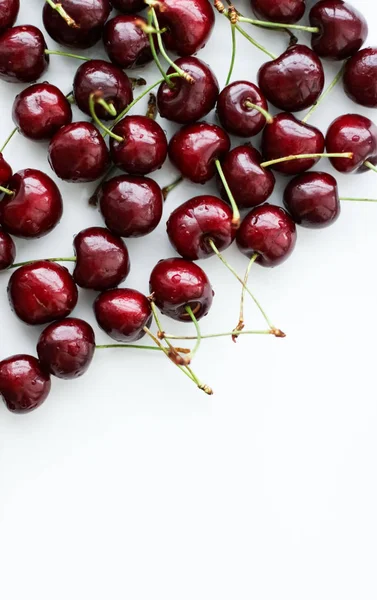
column 195, row 148
column 249, row 183
column 7, row 250
column 294, row 80
column 189, row 23
column 24, row 385
column 40, row 111
column 360, row 77
column 78, row 153
column 126, row 43
column 5, row 171
column 234, row 113
column 194, row 223
column 352, row 133
column 22, row 54
column 66, row 348
column 131, row 206
column 342, row 29
column 188, row 102
column 102, row 260
column 128, row 6
column 105, row 79
column 287, row 135
column 144, row 147
column 312, row 199
column 89, row 15
column 123, row 314
column 279, row 11
column 268, row 231
column 41, row 292
column 176, row 283
column 35, row 208
column 8, row 13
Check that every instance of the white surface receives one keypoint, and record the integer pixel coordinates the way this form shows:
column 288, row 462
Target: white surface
column 130, row 483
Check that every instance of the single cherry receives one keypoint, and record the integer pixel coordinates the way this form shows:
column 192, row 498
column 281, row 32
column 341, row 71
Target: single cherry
column 40, row 110
column 235, row 111
column 123, row 314
column 128, row 6
column 102, row 260
column 360, row 77
column 41, row 292
column 131, row 206
column 66, row 348
column 24, row 385
column 35, row 207
column 342, row 29
column 22, row 54
column 5, row 171
column 279, row 11
column 7, row 250
column 126, row 44
column 312, row 199
column 293, row 81
column 176, row 283
column 8, row 13
column 89, row 16
column 356, row 134
column 144, row 147
column 78, row 153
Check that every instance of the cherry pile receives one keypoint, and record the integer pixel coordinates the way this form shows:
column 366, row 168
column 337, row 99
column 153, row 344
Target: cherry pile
column 110, row 138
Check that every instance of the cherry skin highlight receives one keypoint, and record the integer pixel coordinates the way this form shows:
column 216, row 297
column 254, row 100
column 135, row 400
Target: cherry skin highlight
column 5, row 171
column 352, row 133
column 7, row 250
column 66, row 348
column 128, row 6
column 22, row 54
column 234, row 114
column 279, row 11
column 176, row 283
column 8, row 13
column 312, row 199
column 360, row 77
column 24, row 385
column 123, row 314
column 126, row 44
column 41, row 292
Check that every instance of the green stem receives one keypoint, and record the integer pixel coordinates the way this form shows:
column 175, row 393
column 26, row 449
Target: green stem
column 241, row 321
column 60, row 10
column 197, row 328
column 270, row 25
column 325, row 93
column 70, row 97
column 154, row 52
column 236, row 213
column 233, row 58
column 92, row 107
column 255, row 43
column 68, row 54
column 168, row 188
column 54, row 260
column 161, row 331
column 269, row 163
column 218, row 335
column 139, row 347
column 358, row 199
column 8, row 140
column 108, row 106
column 370, row 166
column 269, row 118
column 5, row 190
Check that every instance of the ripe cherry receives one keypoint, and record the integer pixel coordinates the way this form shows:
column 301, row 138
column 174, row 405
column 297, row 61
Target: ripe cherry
column 66, row 348
column 8, row 13
column 356, row 134
column 22, row 54
column 235, row 112
column 128, row 6
column 123, row 314
column 5, row 171
column 7, row 250
column 312, row 199
column 125, row 42
column 279, row 11
column 360, row 77
column 24, row 385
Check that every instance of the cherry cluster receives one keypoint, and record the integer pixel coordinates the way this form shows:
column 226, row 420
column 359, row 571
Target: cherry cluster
column 45, row 292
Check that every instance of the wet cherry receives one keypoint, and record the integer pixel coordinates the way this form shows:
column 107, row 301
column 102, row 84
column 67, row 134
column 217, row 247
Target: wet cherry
column 360, row 77
column 235, row 114
column 5, row 171
column 312, row 199
column 128, row 6
column 123, row 314
column 125, row 42
column 7, row 250
column 352, row 133
column 24, row 385
column 8, row 13
column 279, row 11
column 22, row 54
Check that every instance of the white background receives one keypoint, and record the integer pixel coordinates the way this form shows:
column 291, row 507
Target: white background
column 131, row 483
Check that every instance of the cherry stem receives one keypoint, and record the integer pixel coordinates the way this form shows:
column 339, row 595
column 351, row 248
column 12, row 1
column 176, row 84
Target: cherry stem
column 236, row 213
column 70, row 97
column 137, row 82
column 68, row 54
column 234, row 48
column 270, row 25
column 93, row 99
column 168, row 188
column 269, row 118
column 30, row 262
column 173, row 352
column 5, row 190
column 370, row 166
column 8, row 140
column 139, row 347
column 334, row 82
column 269, row 163
column 108, row 106
column 218, row 335
column 358, row 199
column 60, row 10
column 255, row 43
column 197, row 328
column 241, row 321
column 152, row 107
column 154, row 52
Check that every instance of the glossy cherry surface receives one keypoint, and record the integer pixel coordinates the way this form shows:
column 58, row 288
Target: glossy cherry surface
column 5, row 171
column 102, row 260
column 66, row 348
column 40, row 111
column 360, row 77
column 126, row 43
column 128, row 6
column 235, row 116
column 270, row 232
column 22, row 54
column 41, row 292
column 78, row 153
column 287, row 135
column 123, row 313
column 176, row 283
column 279, row 11
column 7, row 250
column 195, row 148
column 352, row 133
column 144, row 147
column 35, row 207
column 24, row 385
column 188, row 102
column 8, row 13
column 89, row 15
column 130, row 205
column 293, row 81
column 189, row 23
column 343, row 29
column 312, row 199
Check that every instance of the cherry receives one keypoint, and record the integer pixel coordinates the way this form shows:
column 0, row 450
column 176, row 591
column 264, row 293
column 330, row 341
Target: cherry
column 125, row 42
column 195, row 148
column 312, row 199
column 188, row 102
column 24, row 385
column 235, row 112
column 144, row 146
column 131, row 206
column 89, row 16
column 34, row 208
column 356, row 134
column 5, row 171
column 128, row 6
column 269, row 232
column 360, row 77
column 41, row 292
column 7, row 250
column 250, row 183
column 78, row 153
column 287, row 135
column 123, row 314
column 22, row 54
column 279, row 11
column 293, row 81
column 176, row 283
column 66, row 348
column 8, row 13
column 342, row 29
column 40, row 111
column 102, row 260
